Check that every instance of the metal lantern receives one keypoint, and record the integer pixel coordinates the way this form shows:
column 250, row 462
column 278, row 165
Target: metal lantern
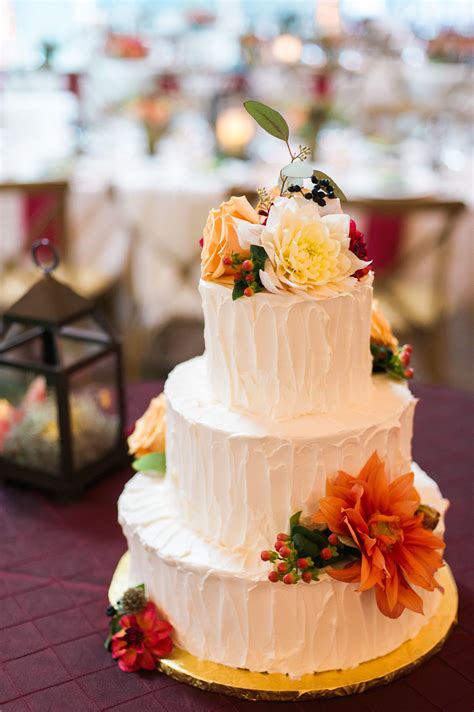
column 61, row 388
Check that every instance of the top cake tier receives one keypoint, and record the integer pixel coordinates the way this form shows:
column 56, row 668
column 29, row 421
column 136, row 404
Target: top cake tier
column 286, row 354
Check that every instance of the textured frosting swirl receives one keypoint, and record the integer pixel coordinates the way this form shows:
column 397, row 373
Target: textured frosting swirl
column 239, row 477
column 287, row 354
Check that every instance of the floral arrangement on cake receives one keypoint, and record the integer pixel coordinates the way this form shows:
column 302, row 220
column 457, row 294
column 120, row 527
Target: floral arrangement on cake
column 154, row 113
column 138, row 637
column 387, row 355
column 148, row 439
column 366, row 531
column 297, row 239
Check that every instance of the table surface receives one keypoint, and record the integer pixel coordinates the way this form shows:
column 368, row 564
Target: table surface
column 57, row 559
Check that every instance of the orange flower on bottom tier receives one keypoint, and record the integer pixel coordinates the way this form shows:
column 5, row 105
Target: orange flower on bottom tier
column 382, row 520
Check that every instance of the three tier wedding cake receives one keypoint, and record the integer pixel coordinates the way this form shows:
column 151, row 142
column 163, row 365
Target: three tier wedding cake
column 292, row 532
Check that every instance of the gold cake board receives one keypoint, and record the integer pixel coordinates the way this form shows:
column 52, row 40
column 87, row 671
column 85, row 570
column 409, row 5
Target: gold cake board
column 237, row 682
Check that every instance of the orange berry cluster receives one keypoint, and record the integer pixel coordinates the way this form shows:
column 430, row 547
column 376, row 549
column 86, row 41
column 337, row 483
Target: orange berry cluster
column 289, row 566
column 246, row 272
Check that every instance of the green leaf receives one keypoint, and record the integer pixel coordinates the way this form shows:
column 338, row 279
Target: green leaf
column 320, row 176
column 238, row 290
column 294, row 520
column 304, row 546
column 313, row 535
column 269, row 119
column 153, row 462
column 108, row 642
column 258, row 255
column 347, row 541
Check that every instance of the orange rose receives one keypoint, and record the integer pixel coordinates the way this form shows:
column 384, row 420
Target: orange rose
column 380, row 329
column 220, row 236
column 150, row 430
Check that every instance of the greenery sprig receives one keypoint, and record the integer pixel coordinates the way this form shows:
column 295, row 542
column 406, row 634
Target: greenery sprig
column 302, row 554
column 247, row 277
column 394, row 362
column 153, row 462
column 274, row 123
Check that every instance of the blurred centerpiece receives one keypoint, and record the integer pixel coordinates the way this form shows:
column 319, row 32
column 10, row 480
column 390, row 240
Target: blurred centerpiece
column 154, row 114
column 61, row 392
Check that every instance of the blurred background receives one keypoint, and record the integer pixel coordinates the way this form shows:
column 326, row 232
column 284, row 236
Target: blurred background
column 121, row 125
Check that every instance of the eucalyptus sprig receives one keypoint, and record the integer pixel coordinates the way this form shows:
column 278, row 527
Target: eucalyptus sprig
column 274, row 123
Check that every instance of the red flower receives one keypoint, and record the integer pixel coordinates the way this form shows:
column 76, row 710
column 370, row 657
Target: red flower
column 143, row 639
column 359, row 248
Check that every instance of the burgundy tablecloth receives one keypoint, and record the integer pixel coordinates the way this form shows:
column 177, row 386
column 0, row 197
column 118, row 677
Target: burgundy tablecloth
column 56, row 561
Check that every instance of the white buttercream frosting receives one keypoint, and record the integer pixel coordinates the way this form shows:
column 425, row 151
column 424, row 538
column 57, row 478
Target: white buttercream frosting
column 224, row 609
column 240, row 477
column 285, row 354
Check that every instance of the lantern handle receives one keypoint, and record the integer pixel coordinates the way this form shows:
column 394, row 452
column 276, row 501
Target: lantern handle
column 48, row 250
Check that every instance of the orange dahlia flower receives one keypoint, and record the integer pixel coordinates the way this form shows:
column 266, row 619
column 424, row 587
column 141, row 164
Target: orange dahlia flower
column 143, row 639
column 381, row 518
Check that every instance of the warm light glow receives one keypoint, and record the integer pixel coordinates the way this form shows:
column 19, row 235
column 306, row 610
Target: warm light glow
column 328, row 17
column 234, row 130
column 287, row 49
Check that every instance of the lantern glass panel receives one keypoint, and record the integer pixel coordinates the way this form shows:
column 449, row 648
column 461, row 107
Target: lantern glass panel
column 29, row 428
column 95, row 422
column 72, row 350
column 31, row 350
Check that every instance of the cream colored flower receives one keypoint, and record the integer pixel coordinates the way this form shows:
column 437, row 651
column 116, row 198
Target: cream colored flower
column 150, row 430
column 380, row 329
column 306, row 251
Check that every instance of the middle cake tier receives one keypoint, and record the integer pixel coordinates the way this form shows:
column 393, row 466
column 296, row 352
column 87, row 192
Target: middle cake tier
column 238, row 478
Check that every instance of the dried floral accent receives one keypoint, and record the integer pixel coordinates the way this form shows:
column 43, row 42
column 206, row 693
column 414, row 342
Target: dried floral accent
column 134, row 600
column 138, row 636
column 384, row 522
column 303, row 553
column 430, row 516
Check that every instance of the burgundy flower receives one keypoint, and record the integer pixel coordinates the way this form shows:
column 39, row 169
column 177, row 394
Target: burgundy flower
column 359, row 248
column 143, row 639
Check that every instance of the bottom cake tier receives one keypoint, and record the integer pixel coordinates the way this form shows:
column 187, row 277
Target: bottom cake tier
column 224, row 609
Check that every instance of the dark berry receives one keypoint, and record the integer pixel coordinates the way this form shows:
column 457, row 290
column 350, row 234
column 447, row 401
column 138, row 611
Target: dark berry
column 110, row 611
column 314, row 179
column 308, row 196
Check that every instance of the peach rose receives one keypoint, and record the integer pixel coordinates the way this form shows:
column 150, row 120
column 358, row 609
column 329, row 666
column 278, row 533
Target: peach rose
column 380, row 329
column 220, row 236
column 150, row 430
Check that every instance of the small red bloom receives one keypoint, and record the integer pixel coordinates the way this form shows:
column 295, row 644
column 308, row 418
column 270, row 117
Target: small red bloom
column 359, row 248
column 143, row 639
column 201, row 242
